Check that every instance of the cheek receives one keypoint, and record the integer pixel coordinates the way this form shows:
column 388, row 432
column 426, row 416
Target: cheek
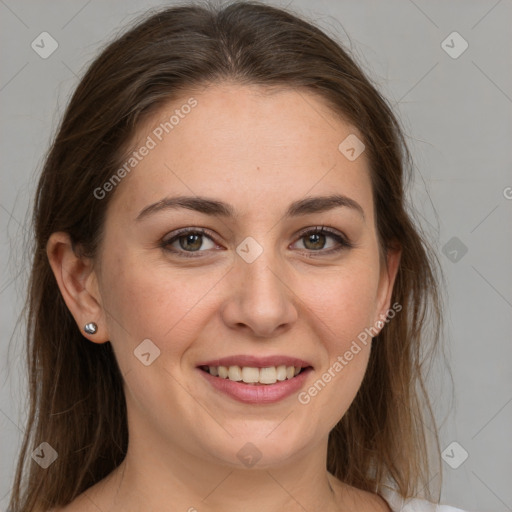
column 347, row 348
column 344, row 307
column 344, row 301
column 144, row 300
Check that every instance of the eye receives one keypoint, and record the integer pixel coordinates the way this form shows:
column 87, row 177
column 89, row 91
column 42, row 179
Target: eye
column 188, row 240
column 315, row 240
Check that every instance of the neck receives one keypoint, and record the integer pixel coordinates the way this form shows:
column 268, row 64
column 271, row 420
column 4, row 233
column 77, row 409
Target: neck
column 156, row 479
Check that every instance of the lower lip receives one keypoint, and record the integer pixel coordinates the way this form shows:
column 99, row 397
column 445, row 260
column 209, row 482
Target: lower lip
column 257, row 393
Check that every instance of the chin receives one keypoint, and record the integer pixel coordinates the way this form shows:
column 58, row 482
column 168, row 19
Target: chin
column 260, row 448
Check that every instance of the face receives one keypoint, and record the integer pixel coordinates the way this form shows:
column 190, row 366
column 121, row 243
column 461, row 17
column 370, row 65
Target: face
column 245, row 285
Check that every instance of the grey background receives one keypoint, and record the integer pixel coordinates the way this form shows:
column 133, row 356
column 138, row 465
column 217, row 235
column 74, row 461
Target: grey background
column 457, row 114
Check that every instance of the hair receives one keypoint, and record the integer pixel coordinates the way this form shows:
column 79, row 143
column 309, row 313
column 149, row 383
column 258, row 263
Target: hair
column 76, row 395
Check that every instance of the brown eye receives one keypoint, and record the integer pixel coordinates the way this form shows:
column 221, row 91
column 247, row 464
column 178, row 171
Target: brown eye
column 315, row 240
column 189, row 240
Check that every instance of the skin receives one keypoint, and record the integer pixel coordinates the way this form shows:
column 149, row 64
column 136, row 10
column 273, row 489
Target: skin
column 258, row 150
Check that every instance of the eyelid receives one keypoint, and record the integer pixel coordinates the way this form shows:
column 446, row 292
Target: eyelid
column 326, row 230
column 186, row 231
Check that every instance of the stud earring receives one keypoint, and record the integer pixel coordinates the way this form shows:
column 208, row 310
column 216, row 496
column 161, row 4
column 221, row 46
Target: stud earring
column 90, row 328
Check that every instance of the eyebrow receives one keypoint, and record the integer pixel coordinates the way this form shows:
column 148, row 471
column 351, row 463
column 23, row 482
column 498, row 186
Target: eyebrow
column 216, row 208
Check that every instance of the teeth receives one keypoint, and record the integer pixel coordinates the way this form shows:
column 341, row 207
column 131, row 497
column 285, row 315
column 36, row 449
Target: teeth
column 268, row 375
column 281, row 372
column 251, row 375
column 235, row 373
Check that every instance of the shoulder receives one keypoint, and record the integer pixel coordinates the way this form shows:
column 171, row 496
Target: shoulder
column 82, row 503
column 77, row 505
column 97, row 497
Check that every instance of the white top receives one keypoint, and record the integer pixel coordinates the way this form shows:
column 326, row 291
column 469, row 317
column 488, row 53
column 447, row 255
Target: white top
column 417, row 505
column 398, row 504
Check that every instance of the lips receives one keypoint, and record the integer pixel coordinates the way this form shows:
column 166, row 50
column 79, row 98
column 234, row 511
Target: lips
column 256, row 380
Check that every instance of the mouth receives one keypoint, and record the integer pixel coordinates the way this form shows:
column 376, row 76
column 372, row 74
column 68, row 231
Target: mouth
column 253, row 375
column 254, row 380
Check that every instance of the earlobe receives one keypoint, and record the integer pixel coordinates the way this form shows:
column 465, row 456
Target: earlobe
column 74, row 274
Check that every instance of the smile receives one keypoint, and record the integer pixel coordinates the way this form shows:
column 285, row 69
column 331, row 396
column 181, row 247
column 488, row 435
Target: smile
column 253, row 375
column 255, row 380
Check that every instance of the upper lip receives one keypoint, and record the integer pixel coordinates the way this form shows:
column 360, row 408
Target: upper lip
column 256, row 362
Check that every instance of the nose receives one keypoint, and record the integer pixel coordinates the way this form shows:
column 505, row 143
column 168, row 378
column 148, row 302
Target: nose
column 261, row 300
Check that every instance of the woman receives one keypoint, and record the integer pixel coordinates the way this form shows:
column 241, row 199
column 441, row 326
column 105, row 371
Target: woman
column 228, row 297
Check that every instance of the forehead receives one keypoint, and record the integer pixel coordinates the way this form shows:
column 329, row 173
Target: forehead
column 244, row 144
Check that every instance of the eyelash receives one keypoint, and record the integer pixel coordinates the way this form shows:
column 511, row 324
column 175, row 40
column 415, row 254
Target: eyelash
column 343, row 242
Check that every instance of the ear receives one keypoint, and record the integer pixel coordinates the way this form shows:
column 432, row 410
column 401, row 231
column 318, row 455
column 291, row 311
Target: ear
column 388, row 272
column 78, row 285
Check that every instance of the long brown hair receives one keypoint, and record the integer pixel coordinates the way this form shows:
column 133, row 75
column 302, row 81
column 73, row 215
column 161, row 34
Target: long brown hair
column 76, row 394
